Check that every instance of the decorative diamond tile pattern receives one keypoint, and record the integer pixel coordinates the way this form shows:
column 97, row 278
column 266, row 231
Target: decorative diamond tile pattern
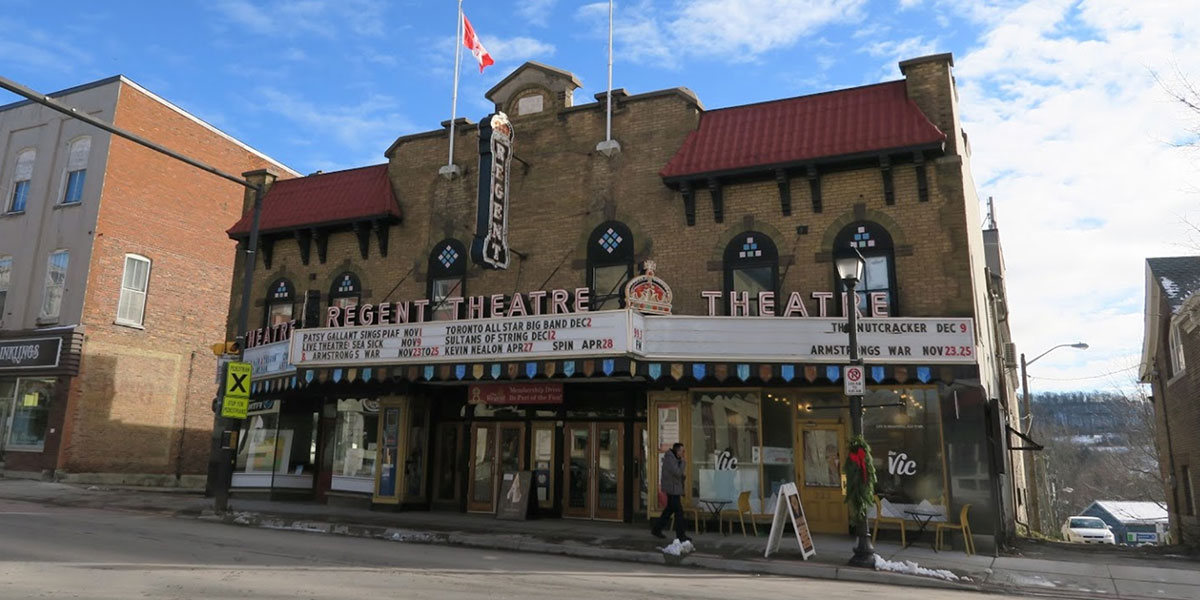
column 281, row 291
column 750, row 249
column 448, row 256
column 610, row 240
column 346, row 285
column 862, row 239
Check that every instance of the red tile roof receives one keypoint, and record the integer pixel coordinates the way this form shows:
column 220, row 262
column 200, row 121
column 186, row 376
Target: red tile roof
column 338, row 197
column 842, row 123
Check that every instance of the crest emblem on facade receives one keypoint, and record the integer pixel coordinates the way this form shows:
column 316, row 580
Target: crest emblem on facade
column 648, row 294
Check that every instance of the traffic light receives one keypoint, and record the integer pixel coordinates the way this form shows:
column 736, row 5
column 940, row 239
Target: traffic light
column 221, row 348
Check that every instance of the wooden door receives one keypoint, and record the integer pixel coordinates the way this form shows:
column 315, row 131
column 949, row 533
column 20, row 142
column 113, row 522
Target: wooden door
column 821, row 447
column 594, row 484
column 609, row 480
column 481, row 487
column 447, row 487
column 577, row 468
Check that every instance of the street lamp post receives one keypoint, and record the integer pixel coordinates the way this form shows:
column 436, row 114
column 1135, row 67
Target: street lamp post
column 1035, row 514
column 850, row 270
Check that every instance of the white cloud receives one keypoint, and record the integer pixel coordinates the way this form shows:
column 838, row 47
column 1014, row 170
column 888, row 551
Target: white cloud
column 515, row 49
column 291, row 19
column 731, row 30
column 536, row 12
column 1068, row 128
column 373, row 123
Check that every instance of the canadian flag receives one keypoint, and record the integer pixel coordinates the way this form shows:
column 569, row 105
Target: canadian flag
column 471, row 41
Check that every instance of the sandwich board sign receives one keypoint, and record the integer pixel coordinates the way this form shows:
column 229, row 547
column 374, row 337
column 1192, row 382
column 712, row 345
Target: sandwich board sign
column 789, row 503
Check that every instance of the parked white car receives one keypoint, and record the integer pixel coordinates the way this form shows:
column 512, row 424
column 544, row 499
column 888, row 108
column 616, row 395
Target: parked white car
column 1087, row 530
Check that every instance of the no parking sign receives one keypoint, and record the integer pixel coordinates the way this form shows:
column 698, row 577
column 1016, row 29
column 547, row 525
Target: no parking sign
column 854, row 382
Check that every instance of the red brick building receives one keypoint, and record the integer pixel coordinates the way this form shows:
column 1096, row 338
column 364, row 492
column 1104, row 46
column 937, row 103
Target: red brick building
column 397, row 365
column 108, row 254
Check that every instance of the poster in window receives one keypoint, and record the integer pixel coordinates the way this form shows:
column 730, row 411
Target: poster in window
column 668, row 426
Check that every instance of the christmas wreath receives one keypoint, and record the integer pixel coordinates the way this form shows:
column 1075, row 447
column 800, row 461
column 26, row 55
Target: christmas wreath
column 860, row 479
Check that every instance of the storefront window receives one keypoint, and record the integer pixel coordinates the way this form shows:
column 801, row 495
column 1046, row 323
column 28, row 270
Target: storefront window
column 31, row 412
column 355, row 445
column 906, row 442
column 724, row 454
column 296, row 444
column 777, row 455
column 414, row 461
column 7, row 389
column 257, row 451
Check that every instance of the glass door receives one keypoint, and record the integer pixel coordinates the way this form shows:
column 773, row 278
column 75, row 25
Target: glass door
column 496, row 448
column 482, row 493
column 594, row 487
column 448, row 458
column 577, row 488
column 7, row 389
column 820, row 476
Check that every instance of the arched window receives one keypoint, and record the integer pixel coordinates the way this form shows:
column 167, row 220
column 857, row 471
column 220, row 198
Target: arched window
column 447, row 278
column 345, row 291
column 877, row 291
column 76, row 170
column 609, row 264
column 751, row 266
column 281, row 302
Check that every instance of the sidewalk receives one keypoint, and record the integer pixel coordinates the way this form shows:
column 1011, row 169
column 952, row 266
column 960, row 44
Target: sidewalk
column 1060, row 570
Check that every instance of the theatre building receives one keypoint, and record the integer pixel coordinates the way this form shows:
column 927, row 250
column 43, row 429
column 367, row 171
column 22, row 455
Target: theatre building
column 571, row 308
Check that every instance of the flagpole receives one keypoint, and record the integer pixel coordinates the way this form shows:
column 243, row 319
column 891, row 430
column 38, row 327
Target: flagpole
column 609, row 146
column 454, row 102
column 608, row 121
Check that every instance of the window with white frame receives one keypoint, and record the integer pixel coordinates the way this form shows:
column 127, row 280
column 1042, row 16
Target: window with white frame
column 77, row 170
column 6, row 263
column 22, row 174
column 1176, row 341
column 131, row 308
column 56, row 283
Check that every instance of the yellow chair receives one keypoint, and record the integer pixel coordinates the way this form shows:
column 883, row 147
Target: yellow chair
column 743, row 509
column 879, row 518
column 962, row 525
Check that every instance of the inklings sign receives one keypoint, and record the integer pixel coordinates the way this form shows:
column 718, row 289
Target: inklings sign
column 489, row 249
column 30, row 353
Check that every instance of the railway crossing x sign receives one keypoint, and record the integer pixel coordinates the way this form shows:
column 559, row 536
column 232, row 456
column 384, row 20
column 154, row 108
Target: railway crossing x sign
column 236, row 392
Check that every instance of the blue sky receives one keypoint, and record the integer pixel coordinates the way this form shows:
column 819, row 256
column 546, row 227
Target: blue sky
column 1069, row 131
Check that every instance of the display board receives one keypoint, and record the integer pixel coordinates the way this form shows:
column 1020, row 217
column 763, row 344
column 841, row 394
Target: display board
column 789, row 503
column 514, row 496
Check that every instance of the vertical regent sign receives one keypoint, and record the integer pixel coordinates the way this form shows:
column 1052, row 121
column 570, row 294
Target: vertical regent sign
column 490, row 247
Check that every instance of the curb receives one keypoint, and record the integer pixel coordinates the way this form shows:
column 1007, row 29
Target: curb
column 522, row 544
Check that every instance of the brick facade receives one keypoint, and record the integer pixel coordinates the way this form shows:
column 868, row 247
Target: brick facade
column 139, row 409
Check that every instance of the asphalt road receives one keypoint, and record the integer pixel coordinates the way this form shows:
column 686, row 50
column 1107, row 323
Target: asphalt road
column 56, row 552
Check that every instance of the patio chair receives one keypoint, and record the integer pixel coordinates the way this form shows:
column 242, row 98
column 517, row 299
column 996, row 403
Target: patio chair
column 743, row 510
column 879, row 518
column 962, row 525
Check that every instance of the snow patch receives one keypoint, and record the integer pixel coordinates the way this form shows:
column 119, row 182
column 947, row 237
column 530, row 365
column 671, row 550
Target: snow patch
column 411, row 537
column 911, row 568
column 677, row 548
column 1170, row 287
column 1035, row 580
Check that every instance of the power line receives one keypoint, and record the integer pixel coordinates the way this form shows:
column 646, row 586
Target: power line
column 1083, row 378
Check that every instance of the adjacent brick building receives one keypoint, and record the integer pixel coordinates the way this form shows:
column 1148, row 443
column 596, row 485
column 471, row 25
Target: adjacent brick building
column 1170, row 356
column 740, row 211
column 110, row 254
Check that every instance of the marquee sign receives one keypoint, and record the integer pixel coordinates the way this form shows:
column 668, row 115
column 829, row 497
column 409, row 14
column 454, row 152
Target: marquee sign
column 490, row 246
column 762, row 339
column 269, row 360
column 625, row 333
column 601, row 333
